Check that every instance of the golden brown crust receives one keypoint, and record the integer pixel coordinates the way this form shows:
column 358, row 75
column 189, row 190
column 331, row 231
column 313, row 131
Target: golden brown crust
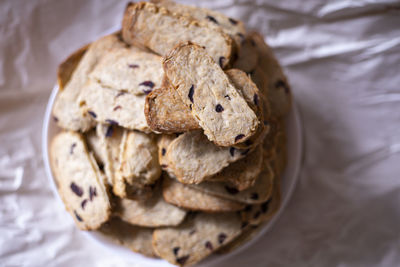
column 67, row 67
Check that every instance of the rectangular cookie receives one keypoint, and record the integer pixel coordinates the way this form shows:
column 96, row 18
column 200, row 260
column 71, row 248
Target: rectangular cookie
column 195, row 239
column 66, row 110
column 81, row 185
column 192, row 158
column 259, row 192
column 130, row 70
column 220, row 109
column 105, row 142
column 166, row 113
column 188, row 198
column 152, row 212
column 136, row 238
column 112, row 106
column 234, row 28
column 160, row 30
column 139, row 165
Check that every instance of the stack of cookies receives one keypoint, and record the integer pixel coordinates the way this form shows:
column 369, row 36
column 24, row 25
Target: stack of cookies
column 173, row 139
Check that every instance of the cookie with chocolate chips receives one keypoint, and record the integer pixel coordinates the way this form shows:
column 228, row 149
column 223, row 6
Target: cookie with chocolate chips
column 220, row 109
column 199, row 236
column 160, row 30
column 233, row 27
column 186, row 197
column 80, row 182
column 152, row 212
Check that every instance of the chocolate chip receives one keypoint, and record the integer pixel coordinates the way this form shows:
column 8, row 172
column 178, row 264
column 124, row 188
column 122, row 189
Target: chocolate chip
column 221, row 61
column 182, row 260
column 190, row 106
column 219, row 108
column 211, row 18
column 112, row 122
column 148, row 84
column 228, row 97
column 191, row 92
column 109, row 131
column 133, row 66
column 244, row 224
column 91, row 113
column 76, row 189
column 92, row 192
column 71, row 151
column 120, row 93
column 77, row 216
column 117, row 107
column 221, row 238
column 163, row 151
column 175, row 250
column 209, row 245
column 238, row 137
column 233, row 21
column 281, row 83
column 254, row 196
column 255, row 99
column 245, row 152
column 250, row 72
column 55, row 118
column 265, row 206
column 248, row 142
column 266, row 122
column 232, row 151
column 256, row 215
column 83, row 204
column 101, row 166
column 231, row 190
column 248, row 208
column 241, row 36
column 192, row 232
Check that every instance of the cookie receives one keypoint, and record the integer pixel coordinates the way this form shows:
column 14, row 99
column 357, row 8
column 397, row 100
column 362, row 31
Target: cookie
column 279, row 162
column 233, row 27
column 277, row 90
column 256, row 214
column 246, row 87
column 192, row 158
column 105, row 142
column 139, row 165
column 130, row 70
column 258, row 193
column 220, row 110
column 160, row 30
column 66, row 109
column 188, row 198
column 198, row 237
column 166, row 113
column 80, row 182
column 248, row 233
column 68, row 66
column 152, row 212
column 111, row 106
column 243, row 173
column 136, row 238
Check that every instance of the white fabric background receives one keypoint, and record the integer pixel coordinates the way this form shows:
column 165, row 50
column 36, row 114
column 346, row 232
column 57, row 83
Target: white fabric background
column 343, row 61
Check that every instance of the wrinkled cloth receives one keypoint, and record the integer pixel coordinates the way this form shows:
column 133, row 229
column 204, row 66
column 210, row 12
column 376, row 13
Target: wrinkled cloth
column 343, row 62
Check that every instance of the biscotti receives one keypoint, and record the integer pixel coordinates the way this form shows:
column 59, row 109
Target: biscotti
column 80, row 182
column 220, row 110
column 158, row 29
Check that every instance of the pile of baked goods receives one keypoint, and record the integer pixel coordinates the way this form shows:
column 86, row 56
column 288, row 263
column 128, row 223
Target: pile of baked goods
column 172, row 135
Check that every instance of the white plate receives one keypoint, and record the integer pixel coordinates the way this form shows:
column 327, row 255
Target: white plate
column 289, row 179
